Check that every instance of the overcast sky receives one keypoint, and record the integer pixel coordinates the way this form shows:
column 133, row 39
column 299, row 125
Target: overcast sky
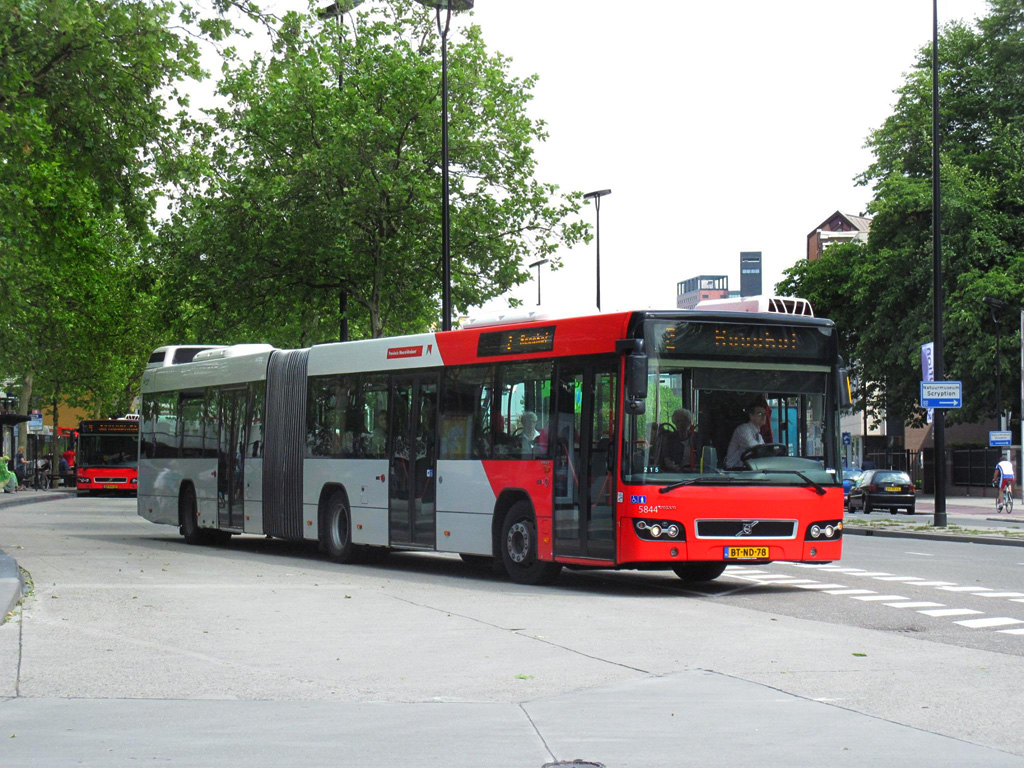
column 720, row 127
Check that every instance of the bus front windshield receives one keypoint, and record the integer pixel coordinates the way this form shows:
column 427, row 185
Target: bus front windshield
column 728, row 420
column 108, row 451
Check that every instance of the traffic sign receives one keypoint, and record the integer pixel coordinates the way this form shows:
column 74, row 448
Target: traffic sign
column 1000, row 438
column 847, row 438
column 941, row 394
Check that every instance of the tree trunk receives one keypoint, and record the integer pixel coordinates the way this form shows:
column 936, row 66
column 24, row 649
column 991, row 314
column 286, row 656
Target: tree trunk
column 55, row 442
column 24, row 407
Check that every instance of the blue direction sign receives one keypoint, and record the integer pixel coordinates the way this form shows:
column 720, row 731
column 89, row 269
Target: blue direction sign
column 941, row 394
column 1000, row 438
column 847, row 438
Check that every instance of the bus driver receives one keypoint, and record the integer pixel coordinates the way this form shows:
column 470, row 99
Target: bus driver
column 746, row 435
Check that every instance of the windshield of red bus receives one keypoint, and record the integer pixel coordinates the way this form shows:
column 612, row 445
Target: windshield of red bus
column 719, row 406
column 107, row 451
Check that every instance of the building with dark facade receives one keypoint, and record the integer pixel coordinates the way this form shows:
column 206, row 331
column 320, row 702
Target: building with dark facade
column 750, row 273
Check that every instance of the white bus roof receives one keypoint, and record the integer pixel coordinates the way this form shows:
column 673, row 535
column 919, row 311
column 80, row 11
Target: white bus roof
column 235, row 365
column 783, row 305
column 176, row 354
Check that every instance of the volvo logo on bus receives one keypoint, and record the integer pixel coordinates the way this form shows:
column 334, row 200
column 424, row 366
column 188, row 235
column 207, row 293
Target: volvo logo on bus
column 748, row 528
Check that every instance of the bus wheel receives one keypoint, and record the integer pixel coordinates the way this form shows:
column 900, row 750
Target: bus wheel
column 519, row 548
column 188, row 512
column 338, row 530
column 699, row 571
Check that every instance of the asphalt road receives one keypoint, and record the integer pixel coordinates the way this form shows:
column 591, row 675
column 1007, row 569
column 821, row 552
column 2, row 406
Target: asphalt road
column 137, row 647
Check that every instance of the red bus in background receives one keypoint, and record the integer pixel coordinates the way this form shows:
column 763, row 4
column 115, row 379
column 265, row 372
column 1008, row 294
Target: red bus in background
column 107, row 456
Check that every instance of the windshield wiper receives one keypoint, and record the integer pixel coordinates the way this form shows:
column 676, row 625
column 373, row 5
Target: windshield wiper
column 701, row 479
column 818, row 488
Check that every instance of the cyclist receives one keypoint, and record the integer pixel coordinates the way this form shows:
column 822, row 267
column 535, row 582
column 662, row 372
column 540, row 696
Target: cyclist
column 1004, row 475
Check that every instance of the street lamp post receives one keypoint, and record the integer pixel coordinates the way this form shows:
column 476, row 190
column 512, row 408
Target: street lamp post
column 446, row 264
column 939, row 420
column 538, row 265
column 596, row 197
column 337, row 10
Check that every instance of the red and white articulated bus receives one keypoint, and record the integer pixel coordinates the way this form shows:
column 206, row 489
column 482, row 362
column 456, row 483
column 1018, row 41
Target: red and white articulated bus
column 586, row 442
column 106, row 458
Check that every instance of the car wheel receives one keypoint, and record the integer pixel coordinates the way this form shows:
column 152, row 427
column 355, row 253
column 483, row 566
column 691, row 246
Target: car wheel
column 867, row 507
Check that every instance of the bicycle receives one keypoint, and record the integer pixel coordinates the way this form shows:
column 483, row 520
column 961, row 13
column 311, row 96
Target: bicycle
column 1004, row 501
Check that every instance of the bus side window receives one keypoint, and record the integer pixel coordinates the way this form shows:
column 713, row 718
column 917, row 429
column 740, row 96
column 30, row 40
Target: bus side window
column 372, row 442
column 466, row 413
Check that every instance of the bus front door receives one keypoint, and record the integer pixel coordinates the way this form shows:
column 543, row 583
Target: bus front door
column 412, row 461
column 231, row 458
column 585, row 418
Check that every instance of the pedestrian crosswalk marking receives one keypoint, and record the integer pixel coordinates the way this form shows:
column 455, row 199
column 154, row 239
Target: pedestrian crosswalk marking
column 918, row 604
column 965, row 589
column 873, row 598
column 1002, row 621
column 950, row 612
column 849, row 592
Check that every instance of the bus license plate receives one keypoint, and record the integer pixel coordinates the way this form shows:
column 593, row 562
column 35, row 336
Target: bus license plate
column 746, row 553
column 111, row 485
column 893, row 488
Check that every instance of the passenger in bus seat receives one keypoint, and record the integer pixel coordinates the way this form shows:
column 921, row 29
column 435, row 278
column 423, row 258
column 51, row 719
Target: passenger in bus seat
column 677, row 447
column 533, row 441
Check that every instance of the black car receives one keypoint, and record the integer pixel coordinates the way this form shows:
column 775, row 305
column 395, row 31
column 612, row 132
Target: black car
column 883, row 489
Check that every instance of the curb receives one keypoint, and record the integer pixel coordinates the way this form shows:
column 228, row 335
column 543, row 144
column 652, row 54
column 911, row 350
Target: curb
column 39, row 496
column 960, row 538
column 11, row 584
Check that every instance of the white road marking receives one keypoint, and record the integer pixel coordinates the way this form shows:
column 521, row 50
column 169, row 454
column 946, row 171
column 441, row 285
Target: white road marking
column 983, row 623
column 819, row 586
column 919, row 554
column 935, row 584
column 898, row 578
column 1011, row 631
column 1001, row 594
column 874, row 573
column 850, row 592
column 787, row 582
column 965, row 589
column 921, row 604
column 768, row 577
column 949, row 612
column 873, row 598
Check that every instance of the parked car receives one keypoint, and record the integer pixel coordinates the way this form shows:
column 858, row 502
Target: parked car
column 850, row 476
column 883, row 489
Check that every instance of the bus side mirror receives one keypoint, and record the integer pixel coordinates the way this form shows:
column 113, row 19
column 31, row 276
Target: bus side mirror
column 636, row 384
column 845, row 390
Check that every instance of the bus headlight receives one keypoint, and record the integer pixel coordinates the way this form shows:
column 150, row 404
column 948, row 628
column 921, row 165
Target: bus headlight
column 826, row 530
column 660, row 530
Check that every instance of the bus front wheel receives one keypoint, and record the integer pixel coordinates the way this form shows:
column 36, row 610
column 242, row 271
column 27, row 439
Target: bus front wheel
column 338, row 531
column 519, row 548
column 699, row 571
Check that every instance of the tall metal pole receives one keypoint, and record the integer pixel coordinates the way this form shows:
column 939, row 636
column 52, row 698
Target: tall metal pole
column 597, row 206
column 538, row 265
column 939, row 421
column 999, row 374
column 446, row 265
column 1021, row 454
column 596, row 197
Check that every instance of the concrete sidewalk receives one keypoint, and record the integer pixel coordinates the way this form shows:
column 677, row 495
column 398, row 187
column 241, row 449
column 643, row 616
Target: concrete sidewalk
column 10, row 575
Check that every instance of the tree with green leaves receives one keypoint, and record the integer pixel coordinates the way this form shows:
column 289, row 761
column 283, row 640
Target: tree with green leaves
column 320, row 181
column 880, row 295
column 87, row 136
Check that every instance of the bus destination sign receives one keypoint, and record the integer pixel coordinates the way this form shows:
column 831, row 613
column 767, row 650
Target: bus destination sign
column 110, row 427
column 516, row 342
column 741, row 340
